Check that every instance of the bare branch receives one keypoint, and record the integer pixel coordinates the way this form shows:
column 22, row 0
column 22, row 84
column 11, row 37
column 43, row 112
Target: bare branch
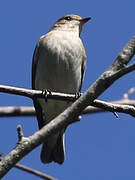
column 116, row 115
column 72, row 112
column 91, row 109
column 98, row 106
column 36, row 93
column 9, row 111
column 32, row 171
column 115, row 107
column 125, row 55
column 35, row 172
column 129, row 93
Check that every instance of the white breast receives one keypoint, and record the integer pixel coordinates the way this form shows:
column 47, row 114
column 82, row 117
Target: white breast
column 58, row 68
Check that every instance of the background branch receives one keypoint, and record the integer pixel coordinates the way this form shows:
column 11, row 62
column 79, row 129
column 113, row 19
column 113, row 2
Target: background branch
column 98, row 106
column 34, row 172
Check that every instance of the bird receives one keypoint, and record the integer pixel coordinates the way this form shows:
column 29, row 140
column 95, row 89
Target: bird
column 58, row 65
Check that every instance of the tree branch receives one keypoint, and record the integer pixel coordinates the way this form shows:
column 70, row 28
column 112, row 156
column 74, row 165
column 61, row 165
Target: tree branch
column 12, row 111
column 71, row 113
column 32, row 171
column 115, row 107
column 98, row 106
column 36, row 93
column 121, row 102
column 35, row 172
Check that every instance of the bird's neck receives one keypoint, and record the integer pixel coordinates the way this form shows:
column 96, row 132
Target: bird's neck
column 74, row 31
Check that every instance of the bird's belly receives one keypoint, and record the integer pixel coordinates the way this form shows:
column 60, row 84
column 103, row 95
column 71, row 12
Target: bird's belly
column 57, row 76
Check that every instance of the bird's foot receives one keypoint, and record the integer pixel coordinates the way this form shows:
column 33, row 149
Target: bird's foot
column 46, row 92
column 77, row 95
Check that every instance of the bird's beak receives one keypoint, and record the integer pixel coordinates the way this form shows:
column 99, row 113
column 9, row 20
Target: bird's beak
column 84, row 20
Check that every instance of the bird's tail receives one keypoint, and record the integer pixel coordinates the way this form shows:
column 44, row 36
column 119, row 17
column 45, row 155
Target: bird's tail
column 54, row 149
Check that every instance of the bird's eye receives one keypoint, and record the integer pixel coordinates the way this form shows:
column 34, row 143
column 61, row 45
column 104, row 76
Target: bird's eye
column 68, row 18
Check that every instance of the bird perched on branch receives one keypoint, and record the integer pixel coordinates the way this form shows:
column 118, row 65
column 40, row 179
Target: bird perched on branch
column 58, row 65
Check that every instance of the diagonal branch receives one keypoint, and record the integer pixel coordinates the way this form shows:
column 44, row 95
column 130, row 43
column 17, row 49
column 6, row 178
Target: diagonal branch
column 32, row 171
column 71, row 113
column 35, row 172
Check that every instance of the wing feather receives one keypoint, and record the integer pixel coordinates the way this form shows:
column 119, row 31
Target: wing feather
column 38, row 109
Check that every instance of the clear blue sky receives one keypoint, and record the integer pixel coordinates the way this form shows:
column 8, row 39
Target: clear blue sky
column 98, row 147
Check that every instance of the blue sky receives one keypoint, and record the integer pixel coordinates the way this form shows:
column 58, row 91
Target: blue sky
column 99, row 146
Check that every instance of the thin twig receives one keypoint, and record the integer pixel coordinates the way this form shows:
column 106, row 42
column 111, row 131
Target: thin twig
column 129, row 93
column 34, row 172
column 116, row 115
column 13, row 111
column 115, row 107
column 20, row 132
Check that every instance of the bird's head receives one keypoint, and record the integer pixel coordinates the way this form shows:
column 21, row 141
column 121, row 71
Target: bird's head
column 70, row 22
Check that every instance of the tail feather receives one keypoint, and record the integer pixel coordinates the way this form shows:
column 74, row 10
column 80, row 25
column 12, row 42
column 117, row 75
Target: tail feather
column 54, row 153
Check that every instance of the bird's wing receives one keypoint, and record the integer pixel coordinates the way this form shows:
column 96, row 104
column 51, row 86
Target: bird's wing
column 38, row 109
column 83, row 69
column 34, row 65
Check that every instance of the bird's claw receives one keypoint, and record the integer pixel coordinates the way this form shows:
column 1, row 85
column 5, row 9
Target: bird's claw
column 46, row 92
column 77, row 95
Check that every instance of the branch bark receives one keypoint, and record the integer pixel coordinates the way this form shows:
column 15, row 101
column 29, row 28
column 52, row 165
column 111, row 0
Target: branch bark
column 116, row 70
column 32, row 171
column 98, row 106
column 35, row 172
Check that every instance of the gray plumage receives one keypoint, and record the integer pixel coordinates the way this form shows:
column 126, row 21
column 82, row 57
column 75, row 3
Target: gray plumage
column 58, row 65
